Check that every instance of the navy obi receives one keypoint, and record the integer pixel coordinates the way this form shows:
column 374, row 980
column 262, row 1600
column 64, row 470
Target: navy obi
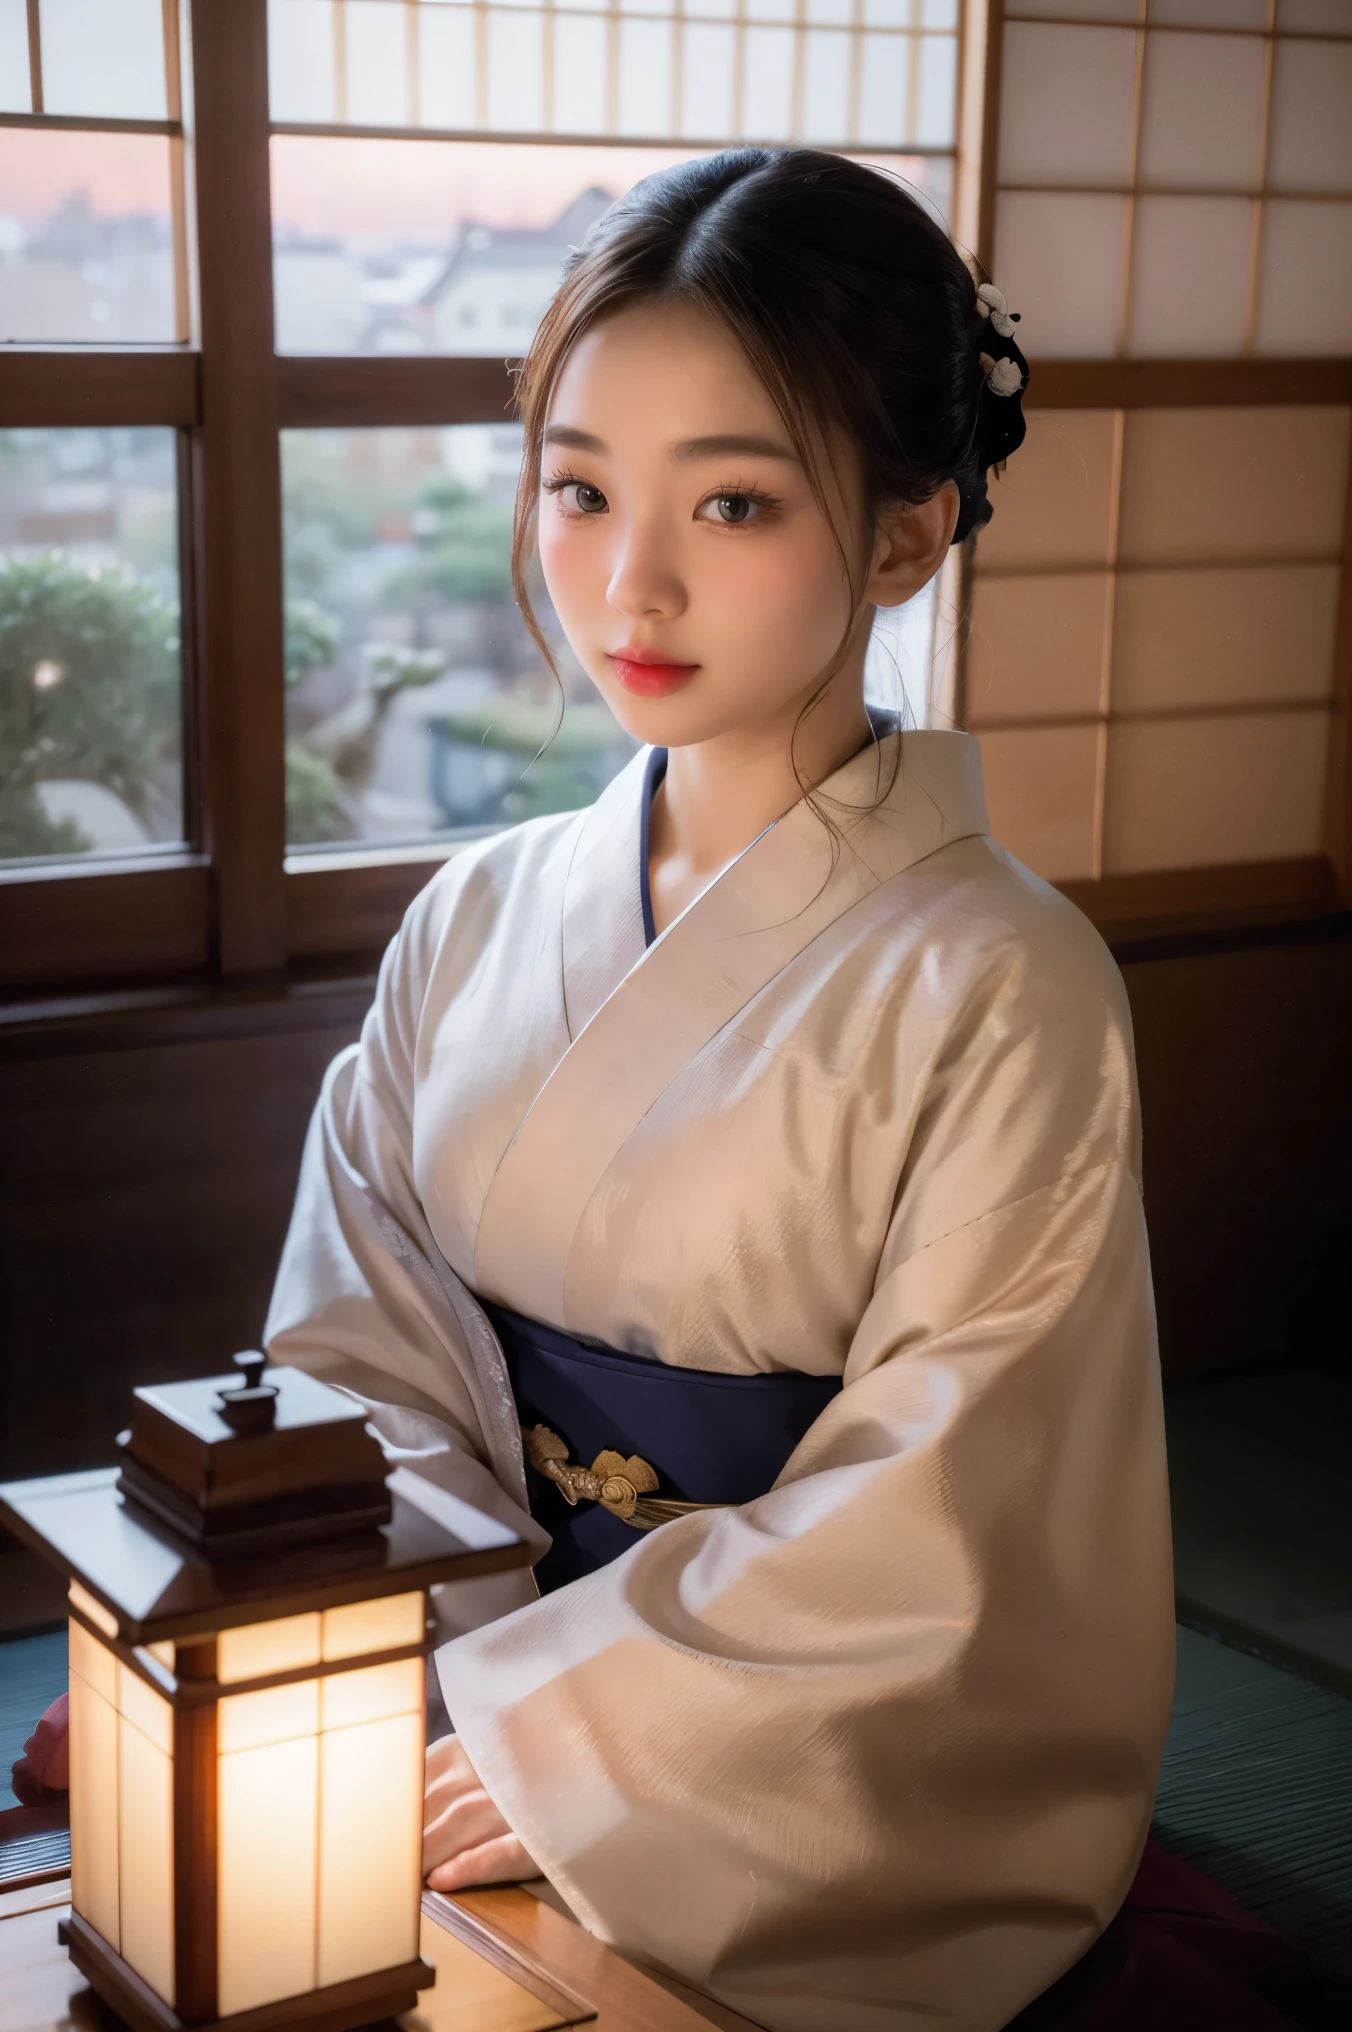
column 710, row 1438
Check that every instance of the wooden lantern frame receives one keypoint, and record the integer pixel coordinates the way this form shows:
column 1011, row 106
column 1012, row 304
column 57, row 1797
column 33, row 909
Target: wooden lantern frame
column 117, row 1560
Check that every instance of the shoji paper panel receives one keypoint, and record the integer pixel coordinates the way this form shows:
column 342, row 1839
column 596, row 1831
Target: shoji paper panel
column 1055, row 502
column 1041, row 790
column 1190, row 277
column 145, row 1799
column 1199, row 793
column 1060, row 258
column 1213, row 638
column 1036, row 647
column 93, row 1791
column 1205, row 485
column 1305, row 301
column 1068, row 105
column 1074, row 10
column 370, row 1809
column 1202, row 112
column 1209, row 13
column 268, row 1799
column 1311, row 145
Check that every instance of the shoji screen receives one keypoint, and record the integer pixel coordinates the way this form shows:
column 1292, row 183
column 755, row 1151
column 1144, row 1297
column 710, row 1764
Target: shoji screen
column 1153, row 661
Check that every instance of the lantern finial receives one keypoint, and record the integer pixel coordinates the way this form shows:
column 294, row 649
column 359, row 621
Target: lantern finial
column 250, row 1406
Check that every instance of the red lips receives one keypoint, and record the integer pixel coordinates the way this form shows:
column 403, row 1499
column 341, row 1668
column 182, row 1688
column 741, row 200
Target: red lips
column 648, row 674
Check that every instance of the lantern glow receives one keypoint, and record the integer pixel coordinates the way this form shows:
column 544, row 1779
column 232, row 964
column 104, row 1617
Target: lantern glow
column 247, row 1710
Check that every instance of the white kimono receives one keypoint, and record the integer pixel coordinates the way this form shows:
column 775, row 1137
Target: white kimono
column 877, row 1750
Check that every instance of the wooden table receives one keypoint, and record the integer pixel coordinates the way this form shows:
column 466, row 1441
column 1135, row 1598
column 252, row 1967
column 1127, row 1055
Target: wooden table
column 506, row 1962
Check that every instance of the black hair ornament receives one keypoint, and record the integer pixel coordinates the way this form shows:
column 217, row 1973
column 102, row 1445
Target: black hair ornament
column 1000, row 421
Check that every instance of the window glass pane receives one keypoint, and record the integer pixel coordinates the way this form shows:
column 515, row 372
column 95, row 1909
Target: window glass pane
column 103, row 57
column 15, row 91
column 86, row 250
column 446, row 246
column 430, row 247
column 90, row 686
column 416, row 701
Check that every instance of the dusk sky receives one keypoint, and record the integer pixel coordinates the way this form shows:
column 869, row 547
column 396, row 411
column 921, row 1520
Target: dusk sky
column 364, row 192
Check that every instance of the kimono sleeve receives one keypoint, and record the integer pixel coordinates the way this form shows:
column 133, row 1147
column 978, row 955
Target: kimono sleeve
column 879, row 1749
column 365, row 1300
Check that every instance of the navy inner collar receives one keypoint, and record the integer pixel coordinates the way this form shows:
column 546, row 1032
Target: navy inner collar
column 652, row 776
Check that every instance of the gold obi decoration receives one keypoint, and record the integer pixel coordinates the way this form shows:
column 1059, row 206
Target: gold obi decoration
column 624, row 1487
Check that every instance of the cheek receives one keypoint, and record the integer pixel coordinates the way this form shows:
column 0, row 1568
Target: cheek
column 785, row 589
column 572, row 563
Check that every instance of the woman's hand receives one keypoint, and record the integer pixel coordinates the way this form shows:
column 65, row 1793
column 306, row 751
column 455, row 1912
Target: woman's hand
column 465, row 1839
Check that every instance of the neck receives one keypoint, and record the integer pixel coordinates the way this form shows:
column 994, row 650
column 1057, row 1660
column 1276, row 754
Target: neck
column 719, row 795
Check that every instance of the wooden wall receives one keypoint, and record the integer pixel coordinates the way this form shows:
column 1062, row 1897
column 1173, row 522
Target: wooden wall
column 148, row 1157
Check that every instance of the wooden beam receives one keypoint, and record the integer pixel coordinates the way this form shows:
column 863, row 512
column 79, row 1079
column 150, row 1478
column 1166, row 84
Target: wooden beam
column 984, row 244
column 356, row 393
column 1187, row 384
column 76, row 386
column 82, row 922
column 35, row 93
column 1213, row 897
column 1338, row 777
column 336, row 909
column 237, row 490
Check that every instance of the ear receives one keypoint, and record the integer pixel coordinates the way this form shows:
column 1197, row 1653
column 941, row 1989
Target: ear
column 911, row 543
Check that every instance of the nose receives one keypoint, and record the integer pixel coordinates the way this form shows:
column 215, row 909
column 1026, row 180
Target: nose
column 645, row 583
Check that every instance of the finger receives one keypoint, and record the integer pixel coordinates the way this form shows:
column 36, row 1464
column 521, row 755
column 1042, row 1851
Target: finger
column 501, row 1861
column 446, row 1757
column 466, row 1824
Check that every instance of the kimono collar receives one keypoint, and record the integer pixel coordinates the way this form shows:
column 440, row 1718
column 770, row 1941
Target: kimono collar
column 633, row 1032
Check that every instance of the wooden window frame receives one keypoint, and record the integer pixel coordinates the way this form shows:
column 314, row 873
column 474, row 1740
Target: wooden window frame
column 233, row 904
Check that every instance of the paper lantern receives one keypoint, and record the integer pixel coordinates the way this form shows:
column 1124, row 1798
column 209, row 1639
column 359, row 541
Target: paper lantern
column 248, row 1628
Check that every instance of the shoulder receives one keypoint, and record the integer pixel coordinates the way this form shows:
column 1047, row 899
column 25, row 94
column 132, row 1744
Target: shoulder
column 998, row 995
column 487, row 889
column 471, row 890
column 996, row 927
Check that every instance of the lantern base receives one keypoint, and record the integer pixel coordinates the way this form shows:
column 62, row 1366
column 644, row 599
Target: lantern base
column 366, row 2000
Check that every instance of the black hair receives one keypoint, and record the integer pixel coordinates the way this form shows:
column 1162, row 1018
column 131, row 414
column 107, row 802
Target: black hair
column 851, row 302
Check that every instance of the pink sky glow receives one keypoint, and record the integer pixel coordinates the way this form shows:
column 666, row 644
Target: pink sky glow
column 365, row 193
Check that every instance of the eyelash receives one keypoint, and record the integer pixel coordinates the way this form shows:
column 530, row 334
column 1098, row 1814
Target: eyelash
column 766, row 503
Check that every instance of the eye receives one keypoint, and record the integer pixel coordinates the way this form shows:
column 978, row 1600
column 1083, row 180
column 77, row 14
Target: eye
column 577, row 498
column 731, row 510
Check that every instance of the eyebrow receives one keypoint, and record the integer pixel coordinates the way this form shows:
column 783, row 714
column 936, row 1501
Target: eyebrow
column 732, row 444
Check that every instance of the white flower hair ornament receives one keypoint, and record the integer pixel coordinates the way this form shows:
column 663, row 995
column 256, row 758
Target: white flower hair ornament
column 1004, row 376
column 990, row 303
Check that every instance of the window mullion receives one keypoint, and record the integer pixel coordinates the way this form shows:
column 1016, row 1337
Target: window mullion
column 236, row 496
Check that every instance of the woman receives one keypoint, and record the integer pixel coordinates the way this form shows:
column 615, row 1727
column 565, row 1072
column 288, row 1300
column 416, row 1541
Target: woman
column 767, row 1129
